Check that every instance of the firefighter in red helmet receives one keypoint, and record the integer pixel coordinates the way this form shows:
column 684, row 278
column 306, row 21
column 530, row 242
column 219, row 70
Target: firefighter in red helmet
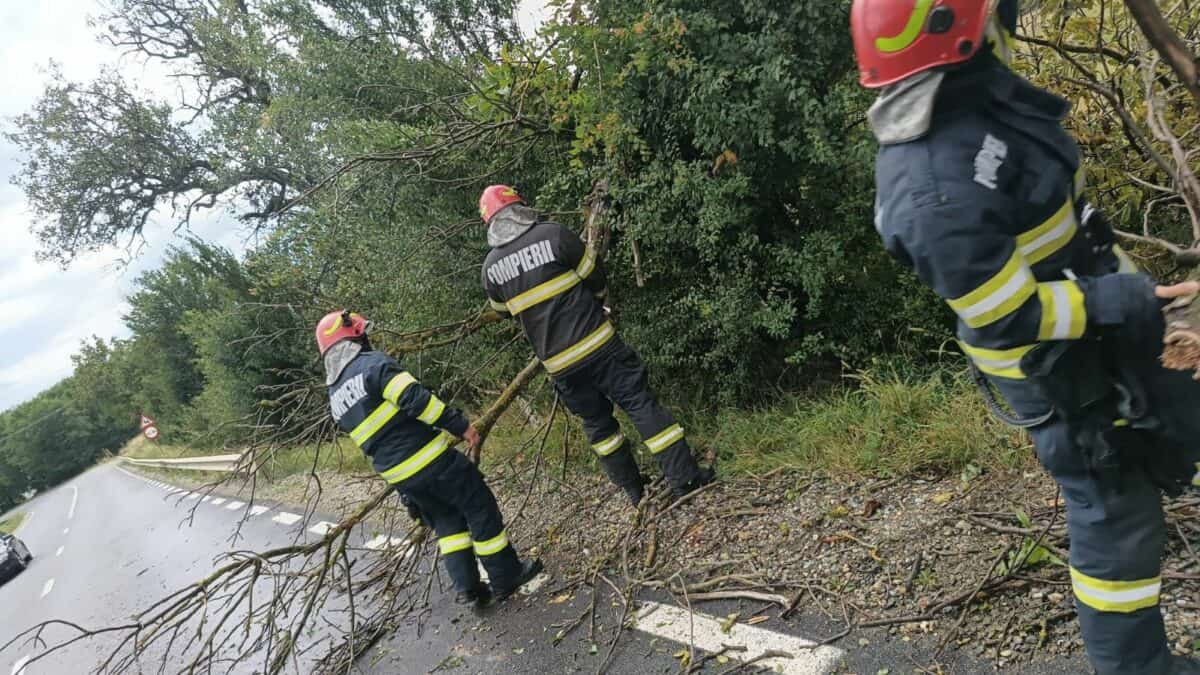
column 409, row 435
column 982, row 193
column 542, row 274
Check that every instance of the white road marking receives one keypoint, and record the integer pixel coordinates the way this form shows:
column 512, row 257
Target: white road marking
column 66, row 530
column 285, row 518
column 676, row 624
column 48, row 587
column 259, row 510
column 74, row 501
column 217, row 501
column 322, row 528
column 19, row 666
column 535, row 584
column 192, row 495
column 59, row 551
column 207, row 498
column 234, row 506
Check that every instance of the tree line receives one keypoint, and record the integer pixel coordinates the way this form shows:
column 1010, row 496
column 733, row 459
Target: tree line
column 353, row 137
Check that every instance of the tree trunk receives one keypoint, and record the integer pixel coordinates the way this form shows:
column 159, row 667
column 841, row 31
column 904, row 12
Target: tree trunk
column 1183, row 332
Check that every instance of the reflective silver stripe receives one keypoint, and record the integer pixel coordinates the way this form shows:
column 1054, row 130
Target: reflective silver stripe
column 587, row 265
column 454, row 543
column 609, row 445
column 543, row 292
column 396, row 386
column 374, row 422
column 433, row 410
column 665, row 438
column 492, row 546
column 573, row 354
column 419, row 460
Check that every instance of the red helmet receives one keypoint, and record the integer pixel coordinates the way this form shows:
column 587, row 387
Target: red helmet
column 338, row 326
column 898, row 38
column 495, row 198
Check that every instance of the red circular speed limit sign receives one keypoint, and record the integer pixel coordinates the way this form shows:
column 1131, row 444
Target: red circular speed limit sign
column 151, row 432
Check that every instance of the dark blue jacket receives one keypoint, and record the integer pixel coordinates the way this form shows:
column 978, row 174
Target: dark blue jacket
column 550, row 281
column 989, row 208
column 398, row 423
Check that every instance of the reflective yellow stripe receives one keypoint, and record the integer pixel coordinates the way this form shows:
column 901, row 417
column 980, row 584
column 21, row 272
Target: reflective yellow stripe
column 609, row 445
column 1000, row 296
column 587, row 265
column 1080, row 180
column 396, row 386
column 498, row 306
column 1127, row 265
column 1064, row 316
column 580, row 350
column 1050, row 237
column 543, row 292
column 665, row 438
column 912, row 29
column 373, row 423
column 419, row 460
column 433, row 410
column 998, row 362
column 492, row 546
column 454, row 543
column 1115, row 596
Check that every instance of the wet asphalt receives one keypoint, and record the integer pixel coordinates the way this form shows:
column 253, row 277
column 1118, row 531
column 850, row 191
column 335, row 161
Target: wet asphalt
column 108, row 544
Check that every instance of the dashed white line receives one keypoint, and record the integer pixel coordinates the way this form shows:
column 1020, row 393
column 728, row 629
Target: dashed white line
column 705, row 632
column 234, row 506
column 66, row 530
column 207, row 498
column 379, row 542
column 19, row 666
column 382, row 542
column 48, row 587
column 322, row 528
column 259, row 510
column 59, row 551
column 74, row 501
column 285, row 518
column 217, row 501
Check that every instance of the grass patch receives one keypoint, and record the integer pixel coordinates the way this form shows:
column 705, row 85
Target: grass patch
column 883, row 423
column 341, row 456
column 890, row 424
column 10, row 524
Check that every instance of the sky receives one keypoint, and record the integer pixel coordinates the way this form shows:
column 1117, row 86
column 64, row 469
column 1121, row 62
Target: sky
column 45, row 311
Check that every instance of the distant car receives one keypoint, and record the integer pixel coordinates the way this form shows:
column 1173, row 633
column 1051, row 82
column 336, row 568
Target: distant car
column 14, row 557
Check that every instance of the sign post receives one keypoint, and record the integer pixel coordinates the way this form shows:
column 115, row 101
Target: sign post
column 149, row 428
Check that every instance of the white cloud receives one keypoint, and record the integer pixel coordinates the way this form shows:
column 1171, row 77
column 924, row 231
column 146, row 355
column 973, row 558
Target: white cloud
column 45, row 311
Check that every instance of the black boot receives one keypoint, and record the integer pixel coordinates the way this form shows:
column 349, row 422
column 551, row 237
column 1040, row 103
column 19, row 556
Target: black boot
column 636, row 490
column 480, row 596
column 529, row 570
column 704, row 477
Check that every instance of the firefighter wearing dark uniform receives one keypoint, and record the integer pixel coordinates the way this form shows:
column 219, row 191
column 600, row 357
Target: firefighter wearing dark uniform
column 543, row 274
column 410, row 434
column 981, row 193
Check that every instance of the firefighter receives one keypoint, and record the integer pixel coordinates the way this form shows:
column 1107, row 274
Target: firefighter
column 409, row 434
column 543, row 274
column 980, row 191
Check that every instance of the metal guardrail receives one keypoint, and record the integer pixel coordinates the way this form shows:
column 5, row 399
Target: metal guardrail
column 217, row 463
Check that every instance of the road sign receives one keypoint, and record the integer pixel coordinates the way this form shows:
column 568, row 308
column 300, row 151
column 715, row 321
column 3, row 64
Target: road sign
column 147, row 422
column 151, row 432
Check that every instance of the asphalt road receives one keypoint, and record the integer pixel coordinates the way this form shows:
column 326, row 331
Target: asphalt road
column 109, row 544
